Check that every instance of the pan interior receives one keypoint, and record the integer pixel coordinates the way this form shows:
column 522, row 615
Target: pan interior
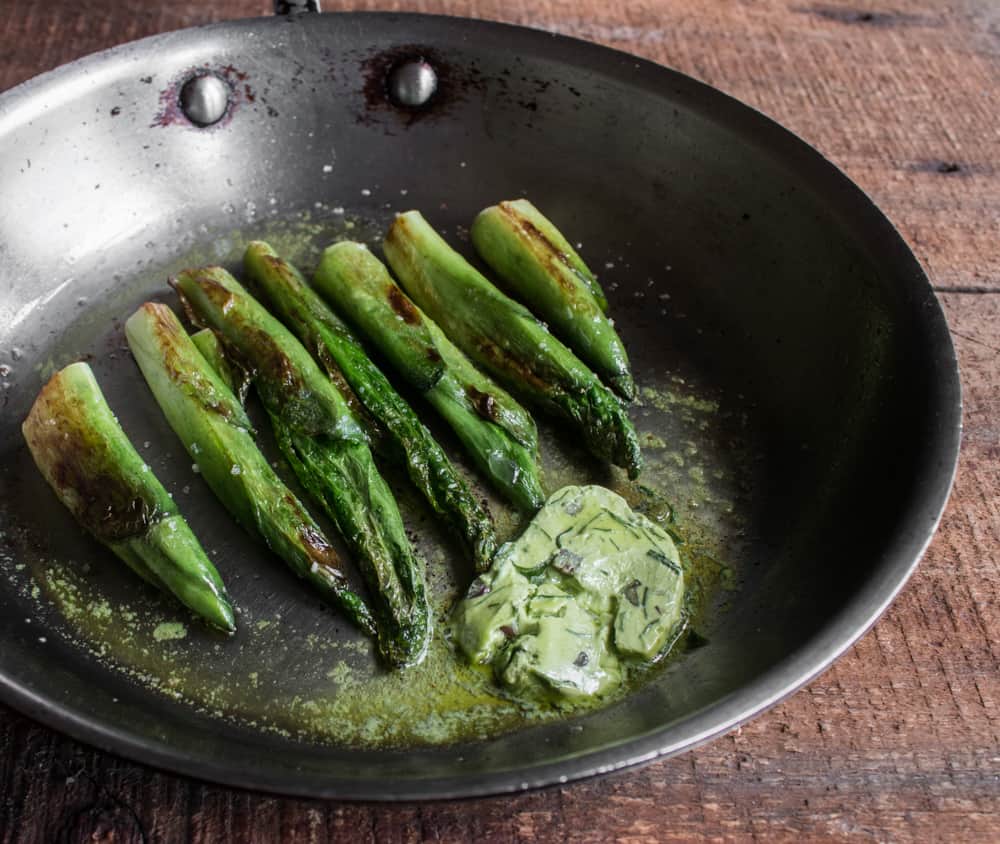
column 788, row 353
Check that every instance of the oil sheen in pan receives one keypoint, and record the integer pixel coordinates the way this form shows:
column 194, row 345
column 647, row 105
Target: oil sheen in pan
column 295, row 667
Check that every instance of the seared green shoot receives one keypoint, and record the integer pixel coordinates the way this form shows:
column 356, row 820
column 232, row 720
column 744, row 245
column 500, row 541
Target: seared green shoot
column 328, row 450
column 95, row 471
column 541, row 268
column 234, row 376
column 216, row 432
column 334, row 345
column 503, row 337
column 496, row 431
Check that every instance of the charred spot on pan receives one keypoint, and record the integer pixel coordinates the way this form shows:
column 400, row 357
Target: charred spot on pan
column 231, row 72
column 402, row 306
column 170, row 112
column 454, row 82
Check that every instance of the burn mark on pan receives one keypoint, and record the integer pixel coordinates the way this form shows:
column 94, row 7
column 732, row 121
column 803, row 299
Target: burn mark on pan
column 241, row 93
column 454, row 82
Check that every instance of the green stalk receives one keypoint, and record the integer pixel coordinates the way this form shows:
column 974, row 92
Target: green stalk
column 496, row 431
column 232, row 375
column 537, row 263
column 215, row 430
column 503, row 337
column 95, row 471
column 334, row 345
column 328, row 450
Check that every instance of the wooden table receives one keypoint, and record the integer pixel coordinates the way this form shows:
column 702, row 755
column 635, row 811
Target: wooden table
column 901, row 739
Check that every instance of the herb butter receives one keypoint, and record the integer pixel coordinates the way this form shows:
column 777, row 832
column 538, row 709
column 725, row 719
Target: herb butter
column 589, row 587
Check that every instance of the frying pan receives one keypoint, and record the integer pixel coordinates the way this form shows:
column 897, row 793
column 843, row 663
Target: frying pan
column 747, row 275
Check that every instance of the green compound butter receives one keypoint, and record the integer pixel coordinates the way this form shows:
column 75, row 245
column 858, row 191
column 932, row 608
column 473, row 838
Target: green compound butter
column 588, row 585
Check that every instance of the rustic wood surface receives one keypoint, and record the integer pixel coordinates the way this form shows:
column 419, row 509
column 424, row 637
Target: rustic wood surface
column 901, row 739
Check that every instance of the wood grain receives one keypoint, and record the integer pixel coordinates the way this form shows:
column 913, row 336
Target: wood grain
column 900, row 740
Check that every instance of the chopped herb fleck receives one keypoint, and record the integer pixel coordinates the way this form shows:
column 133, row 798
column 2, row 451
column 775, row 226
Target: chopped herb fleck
column 663, row 559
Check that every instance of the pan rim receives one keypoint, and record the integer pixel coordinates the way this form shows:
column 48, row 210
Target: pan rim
column 803, row 664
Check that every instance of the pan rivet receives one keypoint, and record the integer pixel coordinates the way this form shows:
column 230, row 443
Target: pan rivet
column 205, row 99
column 412, row 83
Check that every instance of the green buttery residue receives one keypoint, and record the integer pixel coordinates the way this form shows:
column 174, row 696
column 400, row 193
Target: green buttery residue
column 668, row 400
column 169, row 630
column 589, row 587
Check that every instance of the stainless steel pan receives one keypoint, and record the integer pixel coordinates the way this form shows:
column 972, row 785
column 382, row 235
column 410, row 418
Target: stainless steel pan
column 749, row 276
